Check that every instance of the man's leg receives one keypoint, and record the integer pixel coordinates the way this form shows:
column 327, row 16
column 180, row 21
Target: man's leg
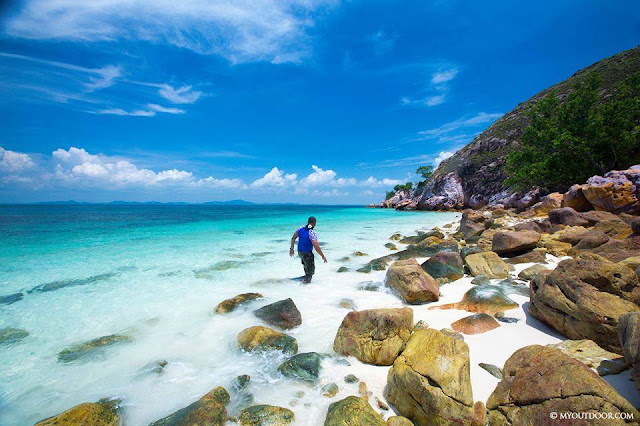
column 307, row 262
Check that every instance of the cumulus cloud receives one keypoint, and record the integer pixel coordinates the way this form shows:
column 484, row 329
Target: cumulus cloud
column 238, row 30
column 375, row 183
column 441, row 157
column 276, row 178
column 14, row 162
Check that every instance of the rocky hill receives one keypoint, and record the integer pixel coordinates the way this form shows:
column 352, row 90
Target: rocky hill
column 475, row 175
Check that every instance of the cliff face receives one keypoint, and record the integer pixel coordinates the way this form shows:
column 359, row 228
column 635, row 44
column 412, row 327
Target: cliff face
column 475, row 175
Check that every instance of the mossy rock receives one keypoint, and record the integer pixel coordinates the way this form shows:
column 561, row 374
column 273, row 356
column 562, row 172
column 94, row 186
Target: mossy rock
column 208, row 410
column 260, row 338
column 304, row 366
column 101, row 413
column 352, row 411
column 262, row 415
column 230, row 305
column 10, row 335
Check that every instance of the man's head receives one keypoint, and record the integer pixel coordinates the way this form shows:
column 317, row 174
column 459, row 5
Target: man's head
column 311, row 221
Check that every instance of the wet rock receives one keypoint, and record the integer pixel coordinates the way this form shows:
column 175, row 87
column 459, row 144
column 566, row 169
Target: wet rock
column 487, row 299
column 304, row 366
column 492, row 369
column 102, row 413
column 11, row 298
column 399, row 421
column 527, row 274
column 230, row 305
column 344, row 259
column 359, row 253
column 370, row 286
column 330, row 390
column 554, row 247
column 260, row 338
column 209, row 410
column 448, row 265
column 475, row 324
column 584, row 297
column 428, row 247
column 156, row 367
column 414, row 285
column 539, row 380
column 379, row 264
column 396, row 237
column 241, row 382
column 92, row 347
column 10, row 335
column 481, row 280
column 343, row 269
column 374, row 336
column 593, row 356
column 566, row 216
column 430, row 382
column 351, row 379
column 352, row 411
column 283, row 314
column 208, row 273
column 537, row 255
column 513, row 243
column 347, row 304
column 391, row 246
column 363, row 391
column 260, row 415
column 488, row 264
column 415, row 239
column 508, row 320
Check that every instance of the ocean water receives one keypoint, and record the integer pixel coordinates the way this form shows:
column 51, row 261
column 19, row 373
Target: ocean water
column 69, row 274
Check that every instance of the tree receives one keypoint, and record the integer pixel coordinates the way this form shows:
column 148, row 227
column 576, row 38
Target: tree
column 568, row 142
column 425, row 171
column 406, row 187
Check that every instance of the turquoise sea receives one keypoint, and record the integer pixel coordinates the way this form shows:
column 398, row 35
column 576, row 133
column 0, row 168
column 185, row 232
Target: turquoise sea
column 69, row 274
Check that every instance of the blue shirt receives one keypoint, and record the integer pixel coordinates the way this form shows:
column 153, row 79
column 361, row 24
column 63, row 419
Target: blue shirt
column 306, row 237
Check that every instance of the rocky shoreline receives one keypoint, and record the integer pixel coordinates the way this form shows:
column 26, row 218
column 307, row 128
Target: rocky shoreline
column 577, row 269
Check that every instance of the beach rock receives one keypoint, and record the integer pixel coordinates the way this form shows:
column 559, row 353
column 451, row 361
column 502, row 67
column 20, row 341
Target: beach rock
column 359, row 253
column 391, row 246
column 350, row 378
column 283, row 314
column 399, row 421
column 208, row 410
column 473, row 224
column 527, row 274
column 513, row 243
column 539, row 380
column 566, row 216
column 342, row 269
column 258, row 338
column 156, row 367
column 629, row 334
column 584, row 297
column 352, row 411
column 588, row 241
column 631, row 262
column 414, row 285
column 487, row 299
column 611, row 192
column 614, row 228
column 488, row 264
column 539, row 226
column 537, row 255
column 347, row 304
column 420, row 325
column 570, row 234
column 547, row 203
column 415, row 239
column 554, row 247
column 495, row 371
column 447, row 265
column 374, row 336
column 262, row 415
column 304, row 366
column 379, row 264
column 475, row 324
column 396, row 236
column 230, row 305
column 370, row 286
column 593, row 356
column 618, row 250
column 102, row 413
column 594, row 217
column 241, row 382
column 481, row 280
column 10, row 335
column 428, row 247
column 575, row 199
column 430, row 383
column 635, row 226
column 92, row 347
column 468, row 250
column 330, row 390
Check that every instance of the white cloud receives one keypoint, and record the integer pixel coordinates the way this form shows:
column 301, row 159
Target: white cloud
column 167, row 110
column 105, row 78
column 14, row 162
column 374, row 183
column 368, row 192
column 276, row 178
column 239, row 30
column 462, row 123
column 330, row 193
column 120, row 111
column 441, row 157
column 444, row 76
column 181, row 95
column 319, row 177
column 437, row 90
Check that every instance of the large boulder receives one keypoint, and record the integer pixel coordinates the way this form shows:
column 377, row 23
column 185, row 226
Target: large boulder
column 529, row 273
column 618, row 229
column 513, row 243
column 539, row 226
column 413, row 284
column 374, row 336
column 537, row 255
column 487, row 299
column 575, row 199
column 262, row 415
column 352, row 411
column 305, row 366
column 487, row 263
column 445, row 265
column 283, row 314
column 595, row 216
column 614, row 191
column 539, row 380
column 208, row 410
column 618, row 250
column 589, row 353
column 629, row 334
column 260, row 338
column 230, row 305
column 566, row 216
column 473, row 223
column 430, row 382
column 584, row 297
column 102, row 413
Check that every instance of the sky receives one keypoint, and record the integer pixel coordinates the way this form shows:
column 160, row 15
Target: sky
column 308, row 101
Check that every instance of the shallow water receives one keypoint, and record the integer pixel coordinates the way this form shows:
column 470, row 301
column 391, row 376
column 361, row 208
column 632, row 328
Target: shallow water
column 156, row 273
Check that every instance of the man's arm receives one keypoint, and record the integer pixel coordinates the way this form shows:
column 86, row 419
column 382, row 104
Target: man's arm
column 293, row 242
column 319, row 250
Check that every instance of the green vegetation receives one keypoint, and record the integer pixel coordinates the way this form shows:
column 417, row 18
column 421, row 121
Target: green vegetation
column 569, row 140
column 404, row 187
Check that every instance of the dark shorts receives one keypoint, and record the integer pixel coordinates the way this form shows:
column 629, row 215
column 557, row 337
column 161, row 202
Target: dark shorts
column 308, row 262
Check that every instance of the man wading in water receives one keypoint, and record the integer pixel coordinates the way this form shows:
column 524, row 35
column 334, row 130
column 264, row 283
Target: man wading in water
column 307, row 241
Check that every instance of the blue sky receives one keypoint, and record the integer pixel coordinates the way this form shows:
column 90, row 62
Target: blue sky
column 313, row 101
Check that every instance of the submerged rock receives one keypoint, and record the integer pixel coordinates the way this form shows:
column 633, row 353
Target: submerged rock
column 11, row 298
column 347, row 304
column 260, row 338
column 75, row 282
column 481, row 280
column 230, row 305
column 487, row 263
column 359, row 253
column 241, row 382
column 283, row 314
column 10, row 335
column 92, row 347
column 540, row 380
column 374, row 336
column 262, row 415
column 475, row 324
column 352, row 411
column 447, row 265
column 430, row 381
column 304, row 366
column 487, row 299
column 413, row 284
column 343, row 269
column 156, row 367
column 206, row 273
column 208, row 410
column 350, row 378
column 370, row 286
column 102, row 413
column 330, row 390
